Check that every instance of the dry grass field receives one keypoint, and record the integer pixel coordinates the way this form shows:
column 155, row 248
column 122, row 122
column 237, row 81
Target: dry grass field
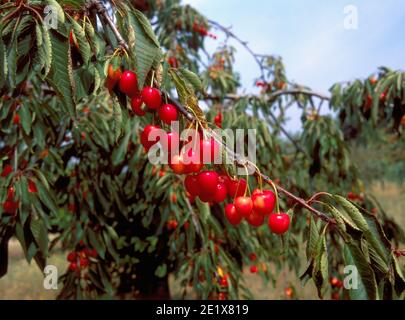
column 24, row 281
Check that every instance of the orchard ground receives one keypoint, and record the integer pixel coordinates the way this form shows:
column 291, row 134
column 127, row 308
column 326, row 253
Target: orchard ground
column 22, row 282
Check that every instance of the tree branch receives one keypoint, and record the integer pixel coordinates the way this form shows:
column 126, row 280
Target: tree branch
column 238, row 159
column 102, row 13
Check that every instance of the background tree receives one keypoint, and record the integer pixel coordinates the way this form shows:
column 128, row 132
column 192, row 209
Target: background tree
column 73, row 164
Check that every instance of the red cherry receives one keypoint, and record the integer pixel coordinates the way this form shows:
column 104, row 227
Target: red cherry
column 32, row 187
column 335, row 296
column 222, row 296
column 255, row 219
column 151, row 97
column 129, row 84
column 191, row 185
column 279, row 222
column 335, row 282
column 223, row 282
column 172, row 224
column 254, row 269
column 224, row 179
column 93, row 253
column 136, row 104
column 174, row 63
column 173, row 198
column 71, row 257
column 209, row 151
column 207, row 181
column 206, row 197
column 236, row 188
column 252, row 257
column 232, row 215
column 176, row 163
column 288, row 292
column 84, row 262
column 192, row 161
column 168, row 113
column 10, row 207
column 73, row 266
column 383, row 96
column 263, row 203
column 145, row 136
column 16, row 119
column 244, row 206
column 220, row 193
column 71, row 207
column 110, row 84
column 7, row 170
column 10, row 193
column 171, row 142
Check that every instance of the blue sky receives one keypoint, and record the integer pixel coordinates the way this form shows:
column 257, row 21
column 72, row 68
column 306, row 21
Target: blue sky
column 316, row 48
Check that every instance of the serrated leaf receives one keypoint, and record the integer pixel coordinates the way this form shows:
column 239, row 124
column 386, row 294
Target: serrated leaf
column 3, row 64
column 353, row 212
column 366, row 282
column 192, row 79
column 83, row 44
column 12, row 64
column 58, row 9
column 25, row 118
column 146, row 26
column 96, row 243
column 40, row 233
column 119, row 153
column 147, row 52
column 60, row 76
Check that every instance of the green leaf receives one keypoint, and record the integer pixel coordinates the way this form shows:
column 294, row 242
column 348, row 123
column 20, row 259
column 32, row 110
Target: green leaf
column 313, row 238
column 55, row 6
column 40, row 233
column 83, row 44
column 46, row 198
column 353, row 212
column 26, row 118
column 366, row 282
column 320, row 270
column 192, row 78
column 161, row 271
column 12, row 64
column 398, row 277
column 60, row 76
column 146, row 26
column 96, row 243
column 3, row 64
column 147, row 52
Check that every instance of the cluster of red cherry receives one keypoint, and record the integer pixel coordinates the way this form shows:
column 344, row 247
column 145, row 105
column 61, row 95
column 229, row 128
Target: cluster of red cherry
column 209, row 186
column 10, row 206
column 203, row 31
column 337, row 285
column 81, row 259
